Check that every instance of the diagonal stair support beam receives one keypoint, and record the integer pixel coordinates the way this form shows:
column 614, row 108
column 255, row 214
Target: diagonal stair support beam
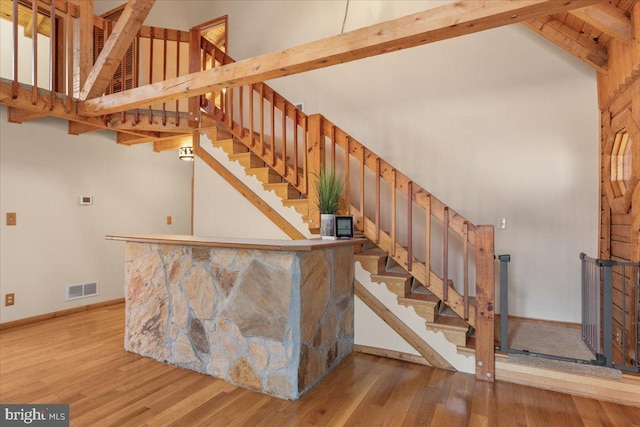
column 115, row 47
column 441, row 23
column 425, row 350
column 248, row 194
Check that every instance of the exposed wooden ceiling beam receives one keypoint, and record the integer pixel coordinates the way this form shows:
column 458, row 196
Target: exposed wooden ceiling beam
column 78, row 128
column 173, row 143
column 608, row 19
column 139, row 138
column 445, row 22
column 115, row 47
column 571, row 41
column 20, row 116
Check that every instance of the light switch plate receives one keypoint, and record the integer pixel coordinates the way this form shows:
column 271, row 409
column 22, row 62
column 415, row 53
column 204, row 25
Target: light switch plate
column 502, row 223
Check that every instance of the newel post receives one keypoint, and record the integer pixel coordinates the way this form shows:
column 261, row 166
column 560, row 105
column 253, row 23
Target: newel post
column 195, row 64
column 315, row 161
column 485, row 303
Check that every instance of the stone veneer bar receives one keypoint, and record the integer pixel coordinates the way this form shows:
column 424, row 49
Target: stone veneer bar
column 272, row 316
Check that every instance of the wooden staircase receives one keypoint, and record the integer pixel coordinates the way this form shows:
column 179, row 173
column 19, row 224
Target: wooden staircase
column 271, row 180
column 382, row 268
column 285, row 149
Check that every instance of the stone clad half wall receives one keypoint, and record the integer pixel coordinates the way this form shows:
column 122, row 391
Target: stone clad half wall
column 270, row 320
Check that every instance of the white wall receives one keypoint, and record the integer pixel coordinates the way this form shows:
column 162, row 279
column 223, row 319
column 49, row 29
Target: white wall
column 496, row 124
column 57, row 242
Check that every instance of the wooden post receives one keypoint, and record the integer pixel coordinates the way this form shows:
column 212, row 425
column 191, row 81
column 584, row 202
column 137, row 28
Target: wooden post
column 485, row 302
column 86, row 41
column 34, row 58
column 315, row 160
column 194, row 67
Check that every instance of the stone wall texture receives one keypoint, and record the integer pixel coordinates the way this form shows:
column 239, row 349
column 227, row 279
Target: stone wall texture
column 275, row 322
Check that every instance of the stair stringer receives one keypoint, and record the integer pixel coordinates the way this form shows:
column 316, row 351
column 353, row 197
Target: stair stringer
column 269, row 197
column 437, row 340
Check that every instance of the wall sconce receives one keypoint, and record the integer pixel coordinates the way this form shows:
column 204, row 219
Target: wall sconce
column 186, row 153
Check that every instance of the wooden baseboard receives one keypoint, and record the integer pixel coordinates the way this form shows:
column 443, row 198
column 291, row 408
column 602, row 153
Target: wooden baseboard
column 40, row 318
column 625, row 391
column 391, row 354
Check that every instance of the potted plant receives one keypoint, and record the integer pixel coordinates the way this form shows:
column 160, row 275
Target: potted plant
column 329, row 188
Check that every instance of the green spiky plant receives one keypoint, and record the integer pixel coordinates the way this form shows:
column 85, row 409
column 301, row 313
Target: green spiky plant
column 329, row 188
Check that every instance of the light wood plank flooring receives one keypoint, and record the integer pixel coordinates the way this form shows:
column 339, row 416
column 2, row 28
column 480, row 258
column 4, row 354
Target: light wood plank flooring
column 78, row 359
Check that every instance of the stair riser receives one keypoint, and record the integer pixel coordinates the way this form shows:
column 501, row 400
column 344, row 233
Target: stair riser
column 427, row 312
column 373, row 264
column 265, row 175
column 458, row 338
column 247, row 161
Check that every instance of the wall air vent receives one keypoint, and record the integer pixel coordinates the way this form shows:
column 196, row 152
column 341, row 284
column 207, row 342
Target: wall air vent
column 82, row 291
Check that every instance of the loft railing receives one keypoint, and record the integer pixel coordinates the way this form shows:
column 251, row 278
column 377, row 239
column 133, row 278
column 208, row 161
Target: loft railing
column 156, row 54
column 54, row 20
column 611, row 311
column 414, row 227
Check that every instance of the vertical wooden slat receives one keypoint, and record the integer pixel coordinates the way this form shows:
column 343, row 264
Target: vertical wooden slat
column 377, row 200
column 151, row 35
column 485, row 303
column 14, row 58
column 123, row 66
column 164, row 73
column 262, row 119
column 136, row 74
column 273, row 128
column 178, row 38
column 295, row 146
column 445, row 255
column 69, row 32
column 53, row 50
column 305, row 142
column 195, row 57
column 230, row 113
column 347, row 152
column 241, row 113
column 251, row 94
column 34, row 59
column 110, row 26
column 427, row 241
column 284, row 136
column 409, row 225
column 333, row 145
column 465, row 266
column 393, row 212
column 362, row 166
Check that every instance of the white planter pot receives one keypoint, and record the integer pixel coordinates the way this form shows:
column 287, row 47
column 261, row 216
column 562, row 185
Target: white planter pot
column 328, row 226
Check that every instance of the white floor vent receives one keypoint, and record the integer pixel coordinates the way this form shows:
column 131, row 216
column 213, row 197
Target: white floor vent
column 82, row 291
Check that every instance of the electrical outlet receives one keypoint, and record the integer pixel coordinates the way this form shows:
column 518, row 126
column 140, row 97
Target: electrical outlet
column 169, row 220
column 11, row 218
column 9, row 299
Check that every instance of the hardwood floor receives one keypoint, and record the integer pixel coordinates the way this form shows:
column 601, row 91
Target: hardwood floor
column 78, row 359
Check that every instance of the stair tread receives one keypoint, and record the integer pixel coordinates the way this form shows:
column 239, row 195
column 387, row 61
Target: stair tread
column 451, row 323
column 392, row 275
column 275, row 184
column 292, row 202
column 420, row 298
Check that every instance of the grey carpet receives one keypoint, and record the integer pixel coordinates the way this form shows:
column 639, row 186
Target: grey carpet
column 556, row 340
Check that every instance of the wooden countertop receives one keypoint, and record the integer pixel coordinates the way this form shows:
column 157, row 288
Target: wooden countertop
column 231, row 242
